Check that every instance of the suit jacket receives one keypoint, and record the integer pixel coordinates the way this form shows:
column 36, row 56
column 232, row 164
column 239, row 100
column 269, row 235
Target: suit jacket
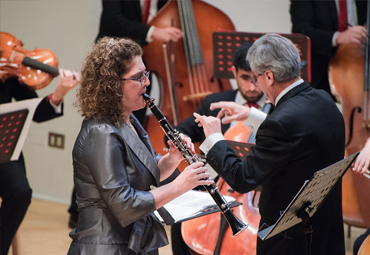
column 319, row 21
column 113, row 172
column 303, row 134
column 191, row 128
column 123, row 18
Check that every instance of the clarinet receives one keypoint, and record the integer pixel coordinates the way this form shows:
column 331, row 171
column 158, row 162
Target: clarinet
column 172, row 134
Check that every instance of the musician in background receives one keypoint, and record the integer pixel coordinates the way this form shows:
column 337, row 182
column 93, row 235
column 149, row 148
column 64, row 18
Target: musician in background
column 328, row 25
column 15, row 191
column 246, row 94
column 290, row 147
column 115, row 166
column 131, row 19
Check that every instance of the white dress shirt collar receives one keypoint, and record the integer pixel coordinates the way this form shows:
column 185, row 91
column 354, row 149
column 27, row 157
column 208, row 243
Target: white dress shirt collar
column 290, row 87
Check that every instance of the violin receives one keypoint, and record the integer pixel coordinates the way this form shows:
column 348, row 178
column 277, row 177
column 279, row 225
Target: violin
column 35, row 68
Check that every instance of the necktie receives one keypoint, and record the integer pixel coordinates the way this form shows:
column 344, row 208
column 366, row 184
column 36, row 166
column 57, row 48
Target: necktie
column 255, row 105
column 343, row 15
column 146, row 11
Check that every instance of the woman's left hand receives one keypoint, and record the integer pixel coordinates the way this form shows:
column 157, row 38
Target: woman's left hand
column 175, row 153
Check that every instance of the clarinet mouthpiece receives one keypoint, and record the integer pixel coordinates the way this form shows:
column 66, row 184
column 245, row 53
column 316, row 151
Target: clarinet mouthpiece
column 146, row 97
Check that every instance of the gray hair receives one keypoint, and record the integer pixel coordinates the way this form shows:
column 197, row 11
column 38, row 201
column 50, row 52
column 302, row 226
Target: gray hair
column 277, row 54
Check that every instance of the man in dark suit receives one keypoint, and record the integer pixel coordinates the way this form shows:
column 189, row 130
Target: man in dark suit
column 246, row 93
column 298, row 137
column 319, row 20
column 15, row 191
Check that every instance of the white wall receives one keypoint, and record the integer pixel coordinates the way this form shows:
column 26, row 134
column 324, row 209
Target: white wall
column 69, row 27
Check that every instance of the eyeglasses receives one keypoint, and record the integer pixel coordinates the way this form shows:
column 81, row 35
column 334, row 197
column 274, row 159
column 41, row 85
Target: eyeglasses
column 254, row 80
column 141, row 79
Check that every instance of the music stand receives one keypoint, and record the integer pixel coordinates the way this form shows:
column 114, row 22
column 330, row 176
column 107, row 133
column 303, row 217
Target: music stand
column 240, row 149
column 15, row 120
column 11, row 125
column 226, row 43
column 308, row 200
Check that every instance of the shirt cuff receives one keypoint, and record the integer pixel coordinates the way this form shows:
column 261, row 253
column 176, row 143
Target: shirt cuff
column 254, row 120
column 210, row 141
column 334, row 40
column 149, row 34
column 57, row 108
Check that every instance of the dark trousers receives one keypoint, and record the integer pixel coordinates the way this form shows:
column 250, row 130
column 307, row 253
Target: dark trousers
column 16, row 197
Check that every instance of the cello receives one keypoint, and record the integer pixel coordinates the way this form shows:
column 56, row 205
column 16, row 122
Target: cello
column 185, row 68
column 219, row 239
column 35, row 68
column 349, row 77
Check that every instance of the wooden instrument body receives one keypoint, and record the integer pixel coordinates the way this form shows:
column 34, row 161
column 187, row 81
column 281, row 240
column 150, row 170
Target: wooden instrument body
column 12, row 55
column 346, row 76
column 244, row 243
column 185, row 99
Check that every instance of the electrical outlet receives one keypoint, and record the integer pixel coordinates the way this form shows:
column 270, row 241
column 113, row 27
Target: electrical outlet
column 56, row 140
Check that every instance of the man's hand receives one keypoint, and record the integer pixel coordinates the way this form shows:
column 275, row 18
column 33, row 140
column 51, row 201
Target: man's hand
column 210, row 124
column 68, row 80
column 231, row 111
column 167, row 34
column 355, row 34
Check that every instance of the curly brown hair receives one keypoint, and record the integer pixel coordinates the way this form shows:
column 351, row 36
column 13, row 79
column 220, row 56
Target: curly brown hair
column 100, row 93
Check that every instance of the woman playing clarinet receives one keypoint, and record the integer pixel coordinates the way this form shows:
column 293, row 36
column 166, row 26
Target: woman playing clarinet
column 117, row 174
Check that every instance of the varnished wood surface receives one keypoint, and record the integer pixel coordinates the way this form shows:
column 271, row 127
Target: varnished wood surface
column 44, row 231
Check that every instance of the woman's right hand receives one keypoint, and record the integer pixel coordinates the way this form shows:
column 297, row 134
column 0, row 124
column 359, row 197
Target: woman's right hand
column 193, row 175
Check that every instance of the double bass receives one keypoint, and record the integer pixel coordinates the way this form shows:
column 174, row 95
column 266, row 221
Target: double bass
column 349, row 77
column 185, row 68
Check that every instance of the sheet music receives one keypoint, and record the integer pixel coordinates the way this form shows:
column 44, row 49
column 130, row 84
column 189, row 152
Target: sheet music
column 31, row 105
column 190, row 204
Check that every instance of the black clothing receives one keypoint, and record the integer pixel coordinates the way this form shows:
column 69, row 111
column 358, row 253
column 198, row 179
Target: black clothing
column 290, row 147
column 14, row 188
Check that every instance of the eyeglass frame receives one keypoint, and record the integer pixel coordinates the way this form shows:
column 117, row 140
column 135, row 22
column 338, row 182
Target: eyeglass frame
column 141, row 79
column 254, row 80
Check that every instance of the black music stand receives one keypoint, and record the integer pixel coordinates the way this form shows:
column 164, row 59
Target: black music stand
column 15, row 119
column 11, row 125
column 308, row 200
column 225, row 44
column 240, row 149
